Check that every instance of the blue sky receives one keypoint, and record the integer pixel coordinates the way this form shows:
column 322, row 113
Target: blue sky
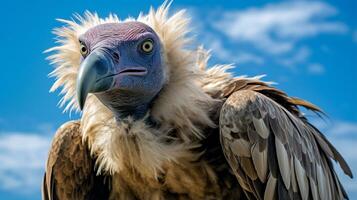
column 307, row 47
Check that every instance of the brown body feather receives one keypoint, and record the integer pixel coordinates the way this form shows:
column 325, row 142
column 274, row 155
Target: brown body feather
column 70, row 172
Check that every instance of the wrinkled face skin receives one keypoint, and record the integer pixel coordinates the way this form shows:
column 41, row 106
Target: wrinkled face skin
column 122, row 65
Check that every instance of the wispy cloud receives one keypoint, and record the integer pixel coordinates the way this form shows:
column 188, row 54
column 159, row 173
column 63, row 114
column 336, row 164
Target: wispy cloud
column 276, row 28
column 22, row 158
column 248, row 58
column 336, row 127
column 300, row 56
column 316, row 69
column 217, row 46
column 341, row 128
column 277, row 33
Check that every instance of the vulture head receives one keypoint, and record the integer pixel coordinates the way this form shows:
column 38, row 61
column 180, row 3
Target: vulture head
column 121, row 64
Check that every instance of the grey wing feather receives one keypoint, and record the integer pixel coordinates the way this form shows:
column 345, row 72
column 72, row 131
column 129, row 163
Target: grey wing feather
column 266, row 144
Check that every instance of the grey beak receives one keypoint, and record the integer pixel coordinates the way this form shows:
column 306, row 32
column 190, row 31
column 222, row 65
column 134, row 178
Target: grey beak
column 95, row 75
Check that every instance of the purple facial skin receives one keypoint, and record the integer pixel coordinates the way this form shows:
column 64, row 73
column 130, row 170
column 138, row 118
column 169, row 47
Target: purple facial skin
column 122, row 66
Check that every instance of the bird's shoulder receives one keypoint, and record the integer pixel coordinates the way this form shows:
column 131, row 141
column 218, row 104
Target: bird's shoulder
column 70, row 170
column 67, row 145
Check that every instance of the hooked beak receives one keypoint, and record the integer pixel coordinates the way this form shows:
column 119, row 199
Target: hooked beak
column 95, row 75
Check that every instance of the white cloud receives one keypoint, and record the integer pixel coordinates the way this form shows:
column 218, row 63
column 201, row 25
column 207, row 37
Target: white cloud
column 248, row 58
column 341, row 128
column 218, row 49
column 316, row 68
column 275, row 28
column 22, row 158
column 336, row 127
column 225, row 54
column 300, row 56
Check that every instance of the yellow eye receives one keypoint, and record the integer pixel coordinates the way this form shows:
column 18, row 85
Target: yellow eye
column 83, row 50
column 147, row 46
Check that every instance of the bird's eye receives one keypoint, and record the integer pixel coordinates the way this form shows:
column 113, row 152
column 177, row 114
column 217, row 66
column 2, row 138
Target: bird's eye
column 147, row 46
column 83, row 49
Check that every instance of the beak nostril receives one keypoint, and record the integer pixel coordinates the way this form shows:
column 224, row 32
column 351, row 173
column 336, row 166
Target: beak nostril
column 115, row 57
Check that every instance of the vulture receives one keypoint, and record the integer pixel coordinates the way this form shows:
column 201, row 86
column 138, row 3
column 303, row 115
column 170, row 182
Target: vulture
column 158, row 123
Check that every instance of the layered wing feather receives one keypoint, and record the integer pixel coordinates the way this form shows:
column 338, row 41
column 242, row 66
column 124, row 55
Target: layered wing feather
column 274, row 152
column 70, row 170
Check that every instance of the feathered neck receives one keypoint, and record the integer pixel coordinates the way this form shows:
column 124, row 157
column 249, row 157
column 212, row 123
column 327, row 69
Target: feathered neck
column 136, row 112
column 129, row 144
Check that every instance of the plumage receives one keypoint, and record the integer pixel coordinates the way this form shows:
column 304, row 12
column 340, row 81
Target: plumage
column 284, row 162
column 260, row 127
column 314, row 190
column 260, row 160
column 301, row 180
column 240, row 147
column 70, row 170
column 269, row 193
column 175, row 129
column 243, row 105
column 322, row 187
